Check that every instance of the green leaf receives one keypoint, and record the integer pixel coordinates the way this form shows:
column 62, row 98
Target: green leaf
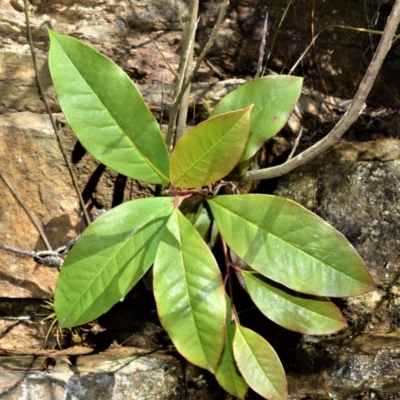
column 209, row 151
column 239, row 170
column 227, row 373
column 302, row 313
column 189, row 293
column 259, row 364
column 106, row 111
column 290, row 245
column 196, row 210
column 274, row 98
column 109, row 258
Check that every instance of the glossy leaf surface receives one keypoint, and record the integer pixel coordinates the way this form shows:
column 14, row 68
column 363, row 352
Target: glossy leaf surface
column 309, row 315
column 106, row 111
column 189, row 293
column 290, row 245
column 109, row 258
column 209, row 151
column 227, row 373
column 196, row 210
column 274, row 98
column 259, row 364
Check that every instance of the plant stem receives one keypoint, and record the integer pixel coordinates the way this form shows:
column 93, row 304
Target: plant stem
column 349, row 117
column 189, row 78
column 185, row 62
column 18, row 251
column 23, row 205
column 53, row 123
column 190, row 31
column 261, row 51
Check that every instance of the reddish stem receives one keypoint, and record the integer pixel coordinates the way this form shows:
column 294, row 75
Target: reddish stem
column 229, row 265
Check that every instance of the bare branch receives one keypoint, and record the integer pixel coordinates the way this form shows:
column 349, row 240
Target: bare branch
column 184, row 63
column 261, row 52
column 162, row 55
column 184, row 101
column 296, row 144
column 211, row 39
column 53, row 123
column 18, row 251
column 277, row 30
column 349, row 117
column 30, row 215
column 189, row 78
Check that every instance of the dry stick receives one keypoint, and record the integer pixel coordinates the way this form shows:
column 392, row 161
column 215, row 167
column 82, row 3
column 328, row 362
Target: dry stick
column 261, row 51
column 351, row 28
column 296, row 144
column 188, row 38
column 276, row 34
column 207, row 47
column 42, row 94
column 18, row 251
column 321, row 78
column 349, row 117
column 162, row 55
column 184, row 102
column 162, row 101
column 32, row 218
column 209, row 43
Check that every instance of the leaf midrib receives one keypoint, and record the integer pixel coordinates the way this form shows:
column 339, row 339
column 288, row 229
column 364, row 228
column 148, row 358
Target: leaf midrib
column 123, row 243
column 289, row 244
column 112, row 116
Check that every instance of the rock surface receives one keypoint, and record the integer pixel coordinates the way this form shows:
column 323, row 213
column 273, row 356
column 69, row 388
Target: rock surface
column 355, row 188
column 120, row 373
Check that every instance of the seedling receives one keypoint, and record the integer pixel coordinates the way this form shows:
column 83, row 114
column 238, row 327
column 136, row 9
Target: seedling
column 293, row 259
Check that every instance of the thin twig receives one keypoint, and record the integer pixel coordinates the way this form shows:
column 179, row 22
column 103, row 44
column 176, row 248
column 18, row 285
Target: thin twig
column 261, row 51
column 49, row 258
column 305, row 51
column 18, row 251
column 53, row 123
column 375, row 32
column 162, row 100
column 350, row 116
column 219, row 73
column 314, row 52
column 187, row 40
column 296, row 143
column 30, row 215
column 211, row 39
column 276, row 34
column 162, row 55
column 184, row 101
column 184, row 86
column 179, row 13
column 209, row 43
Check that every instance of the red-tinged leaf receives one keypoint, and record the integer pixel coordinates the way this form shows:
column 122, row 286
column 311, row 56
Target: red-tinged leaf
column 106, row 111
column 259, row 364
column 109, row 258
column 274, row 98
column 209, row 151
column 309, row 315
column 290, row 245
column 189, row 293
column 227, row 373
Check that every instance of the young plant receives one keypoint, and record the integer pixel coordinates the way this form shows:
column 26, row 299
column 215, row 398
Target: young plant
column 292, row 259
